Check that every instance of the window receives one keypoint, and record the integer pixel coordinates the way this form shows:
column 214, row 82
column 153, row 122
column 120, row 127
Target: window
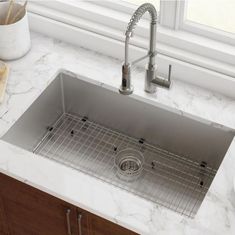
column 219, row 14
column 214, row 19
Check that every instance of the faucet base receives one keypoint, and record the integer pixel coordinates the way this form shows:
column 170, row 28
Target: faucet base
column 126, row 91
column 151, row 90
column 149, row 76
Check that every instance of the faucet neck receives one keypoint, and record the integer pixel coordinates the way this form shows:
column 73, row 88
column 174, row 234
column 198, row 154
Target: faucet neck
column 152, row 43
column 153, row 28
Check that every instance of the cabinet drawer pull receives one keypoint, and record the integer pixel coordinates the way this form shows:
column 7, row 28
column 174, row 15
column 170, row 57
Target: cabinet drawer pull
column 68, row 221
column 80, row 223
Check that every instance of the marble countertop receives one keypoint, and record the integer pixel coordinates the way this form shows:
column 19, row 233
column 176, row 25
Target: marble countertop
column 30, row 76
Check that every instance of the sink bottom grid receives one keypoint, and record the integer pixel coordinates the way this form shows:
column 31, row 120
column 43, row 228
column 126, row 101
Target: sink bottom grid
column 167, row 179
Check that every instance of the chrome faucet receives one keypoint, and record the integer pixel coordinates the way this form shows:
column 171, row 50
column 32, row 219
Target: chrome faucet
column 151, row 80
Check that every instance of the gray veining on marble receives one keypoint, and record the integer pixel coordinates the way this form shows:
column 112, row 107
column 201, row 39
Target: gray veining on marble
column 28, row 78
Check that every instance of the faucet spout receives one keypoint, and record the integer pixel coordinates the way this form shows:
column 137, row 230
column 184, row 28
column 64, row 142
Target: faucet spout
column 132, row 24
column 126, row 87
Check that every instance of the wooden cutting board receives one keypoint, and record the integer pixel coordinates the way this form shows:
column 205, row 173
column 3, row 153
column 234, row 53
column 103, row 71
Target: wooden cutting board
column 4, row 73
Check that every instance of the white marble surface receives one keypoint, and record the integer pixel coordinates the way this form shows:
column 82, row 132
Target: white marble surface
column 29, row 77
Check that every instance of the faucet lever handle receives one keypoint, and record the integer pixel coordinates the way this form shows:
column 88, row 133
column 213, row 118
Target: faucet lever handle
column 169, row 73
column 160, row 81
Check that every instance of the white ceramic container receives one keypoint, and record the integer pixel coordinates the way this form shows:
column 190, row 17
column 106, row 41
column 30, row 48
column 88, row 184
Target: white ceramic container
column 15, row 37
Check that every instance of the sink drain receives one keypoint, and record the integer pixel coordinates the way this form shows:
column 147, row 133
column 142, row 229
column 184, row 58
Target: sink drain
column 129, row 164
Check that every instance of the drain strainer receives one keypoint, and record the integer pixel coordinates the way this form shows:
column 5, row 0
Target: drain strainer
column 129, row 164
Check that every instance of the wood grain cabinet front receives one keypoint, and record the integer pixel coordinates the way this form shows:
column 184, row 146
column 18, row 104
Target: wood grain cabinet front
column 90, row 224
column 100, row 226
column 25, row 210
column 28, row 211
column 3, row 223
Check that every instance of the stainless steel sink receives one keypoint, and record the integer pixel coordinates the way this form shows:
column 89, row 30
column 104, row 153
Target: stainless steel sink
column 164, row 155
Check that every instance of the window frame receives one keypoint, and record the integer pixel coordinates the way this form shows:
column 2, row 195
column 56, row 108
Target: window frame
column 172, row 16
column 200, row 29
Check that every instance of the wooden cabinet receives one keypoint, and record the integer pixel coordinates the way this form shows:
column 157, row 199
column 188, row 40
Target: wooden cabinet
column 25, row 210
column 29, row 211
column 100, row 226
column 91, row 224
column 3, row 222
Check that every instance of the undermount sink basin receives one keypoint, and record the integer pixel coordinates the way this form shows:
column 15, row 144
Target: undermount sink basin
column 156, row 153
